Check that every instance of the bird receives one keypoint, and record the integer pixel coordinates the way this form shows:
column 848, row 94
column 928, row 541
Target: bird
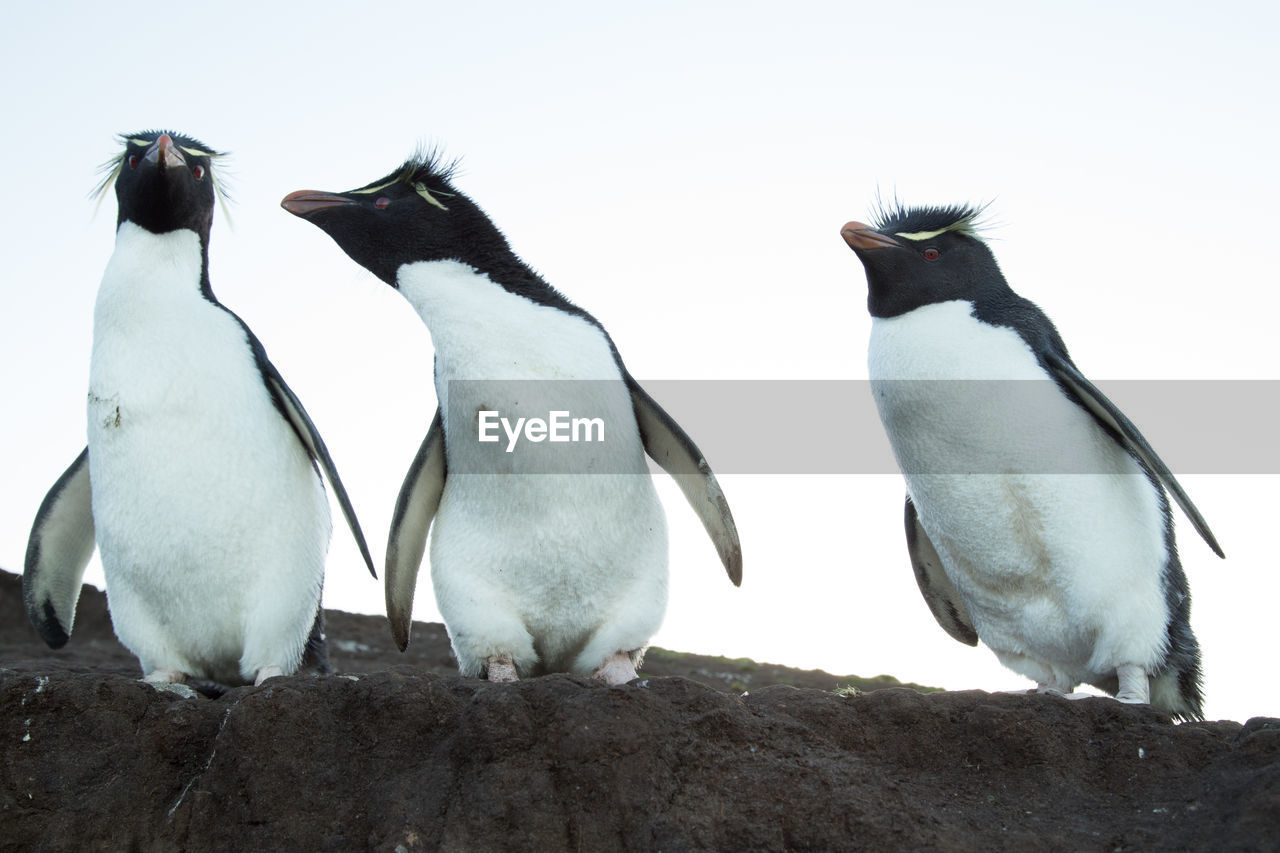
column 552, row 559
column 1037, row 515
column 201, row 482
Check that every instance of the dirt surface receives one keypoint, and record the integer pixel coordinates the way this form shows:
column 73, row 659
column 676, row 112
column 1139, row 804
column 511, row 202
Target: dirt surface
column 398, row 753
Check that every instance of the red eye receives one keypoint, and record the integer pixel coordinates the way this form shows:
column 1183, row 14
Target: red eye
column 133, row 161
column 198, row 171
column 382, row 203
column 932, row 254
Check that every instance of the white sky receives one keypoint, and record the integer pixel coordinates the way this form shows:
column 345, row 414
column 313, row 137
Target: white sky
column 683, row 175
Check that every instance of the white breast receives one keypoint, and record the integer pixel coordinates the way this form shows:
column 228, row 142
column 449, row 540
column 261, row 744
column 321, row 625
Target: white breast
column 544, row 547
column 208, row 512
column 1051, row 533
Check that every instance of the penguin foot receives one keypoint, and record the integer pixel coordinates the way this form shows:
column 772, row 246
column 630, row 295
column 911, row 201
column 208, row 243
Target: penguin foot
column 170, row 681
column 1135, row 688
column 165, row 676
column 501, row 668
column 267, row 672
column 175, row 688
column 616, row 669
column 1064, row 691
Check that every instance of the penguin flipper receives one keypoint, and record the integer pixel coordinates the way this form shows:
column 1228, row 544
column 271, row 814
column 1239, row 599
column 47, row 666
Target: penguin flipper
column 58, row 551
column 291, row 406
column 939, row 593
column 1110, row 416
column 415, row 508
column 669, row 446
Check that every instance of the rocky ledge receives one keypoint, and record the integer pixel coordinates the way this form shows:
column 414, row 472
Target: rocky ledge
column 396, row 753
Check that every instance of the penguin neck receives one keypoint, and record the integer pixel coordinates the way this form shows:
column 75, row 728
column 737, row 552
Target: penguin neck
column 169, row 266
column 947, row 341
column 159, row 266
column 483, row 330
column 151, row 303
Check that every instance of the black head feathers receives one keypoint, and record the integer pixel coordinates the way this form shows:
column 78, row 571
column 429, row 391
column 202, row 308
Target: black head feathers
column 922, row 223
column 426, row 171
column 409, row 215
column 164, row 182
column 917, row 256
column 414, row 214
column 428, row 165
column 133, row 144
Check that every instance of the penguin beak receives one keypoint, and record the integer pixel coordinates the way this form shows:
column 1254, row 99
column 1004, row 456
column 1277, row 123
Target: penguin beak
column 863, row 238
column 165, row 153
column 306, row 202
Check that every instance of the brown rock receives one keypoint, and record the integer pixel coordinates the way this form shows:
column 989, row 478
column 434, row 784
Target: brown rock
column 406, row 755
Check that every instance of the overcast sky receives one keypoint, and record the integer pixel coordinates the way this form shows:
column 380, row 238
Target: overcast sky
column 683, row 175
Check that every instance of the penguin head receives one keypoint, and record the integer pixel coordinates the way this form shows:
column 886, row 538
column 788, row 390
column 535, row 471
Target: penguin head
column 164, row 182
column 921, row 255
column 412, row 214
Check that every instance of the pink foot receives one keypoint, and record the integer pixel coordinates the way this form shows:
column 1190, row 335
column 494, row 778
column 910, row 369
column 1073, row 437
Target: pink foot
column 170, row 681
column 267, row 672
column 616, row 669
column 1135, row 687
column 165, row 676
column 1063, row 690
column 501, row 668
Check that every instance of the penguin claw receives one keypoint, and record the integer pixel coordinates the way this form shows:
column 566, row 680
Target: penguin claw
column 501, row 668
column 1059, row 689
column 1135, row 688
column 176, row 688
column 165, row 676
column 616, row 669
column 267, row 672
column 170, row 681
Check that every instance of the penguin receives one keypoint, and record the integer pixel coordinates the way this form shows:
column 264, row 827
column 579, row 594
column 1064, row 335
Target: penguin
column 1037, row 515
column 201, row 482
column 541, row 562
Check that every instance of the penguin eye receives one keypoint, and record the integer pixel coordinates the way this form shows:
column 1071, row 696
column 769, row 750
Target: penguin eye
column 382, row 203
column 198, row 171
column 133, row 161
column 931, row 254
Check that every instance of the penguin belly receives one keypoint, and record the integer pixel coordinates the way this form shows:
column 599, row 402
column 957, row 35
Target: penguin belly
column 555, row 554
column 1053, row 536
column 212, row 523
column 558, row 571
column 556, row 568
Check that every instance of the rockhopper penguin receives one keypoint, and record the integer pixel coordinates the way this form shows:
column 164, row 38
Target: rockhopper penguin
column 554, row 561
column 1037, row 515
column 201, row 482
